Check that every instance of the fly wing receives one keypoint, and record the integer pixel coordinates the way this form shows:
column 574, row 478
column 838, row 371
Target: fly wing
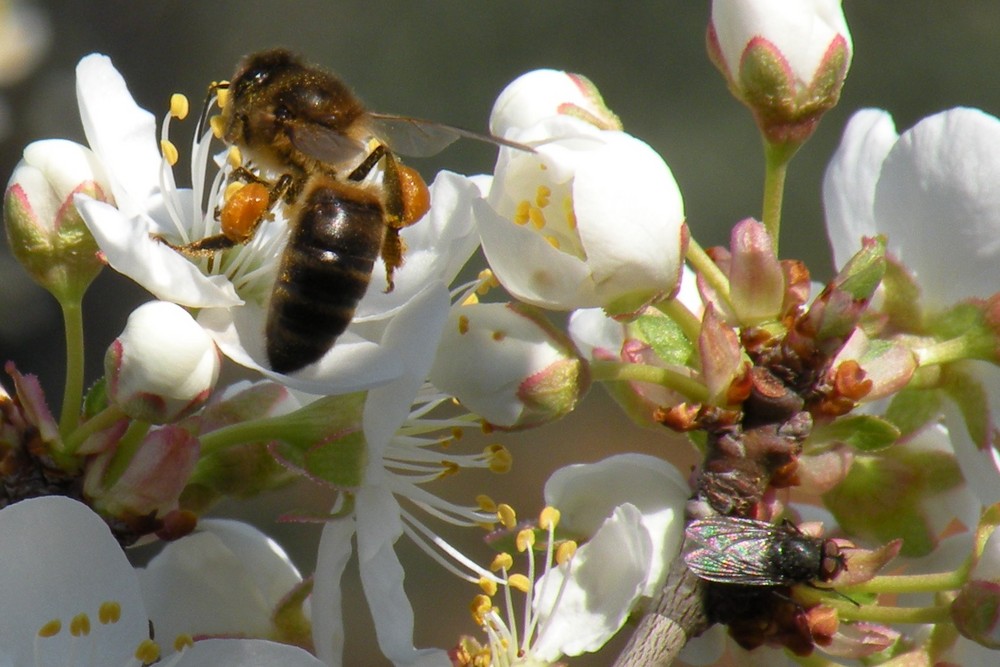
column 732, row 550
column 414, row 137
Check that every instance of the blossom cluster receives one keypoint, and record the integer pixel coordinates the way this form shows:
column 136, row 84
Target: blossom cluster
column 872, row 393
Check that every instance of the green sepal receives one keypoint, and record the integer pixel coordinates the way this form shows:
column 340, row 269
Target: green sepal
column 865, row 433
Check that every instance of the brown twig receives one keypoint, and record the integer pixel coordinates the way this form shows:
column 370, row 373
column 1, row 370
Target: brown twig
column 674, row 617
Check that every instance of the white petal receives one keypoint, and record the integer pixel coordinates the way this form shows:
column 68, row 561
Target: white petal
column 938, row 202
column 593, row 331
column 437, row 247
column 850, row 179
column 606, row 578
column 980, row 466
column 245, row 653
column 59, row 560
column 122, row 134
column 352, row 364
column 632, row 243
column 530, row 268
column 129, row 247
column 586, row 494
column 382, row 577
column 413, row 334
column 327, row 603
column 226, row 579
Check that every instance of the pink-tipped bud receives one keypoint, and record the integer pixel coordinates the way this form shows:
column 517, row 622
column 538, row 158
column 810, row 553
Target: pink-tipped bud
column 163, row 366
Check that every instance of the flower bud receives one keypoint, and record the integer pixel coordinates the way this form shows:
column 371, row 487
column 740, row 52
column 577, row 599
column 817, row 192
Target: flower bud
column 786, row 61
column 507, row 364
column 163, row 365
column 149, row 484
column 542, row 93
column 592, row 218
column 44, row 229
column 976, row 610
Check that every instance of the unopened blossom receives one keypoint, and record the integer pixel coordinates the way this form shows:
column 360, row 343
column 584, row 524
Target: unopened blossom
column 163, row 365
column 44, row 229
column 508, row 364
column 556, row 229
column 786, row 61
column 69, row 591
column 543, row 93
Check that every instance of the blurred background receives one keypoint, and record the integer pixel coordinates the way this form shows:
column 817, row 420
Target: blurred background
column 446, row 61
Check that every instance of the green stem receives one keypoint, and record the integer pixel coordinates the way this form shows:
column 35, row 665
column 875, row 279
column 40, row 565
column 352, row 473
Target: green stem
column 682, row 317
column 707, row 269
column 890, row 615
column 73, row 391
column 776, row 159
column 125, row 451
column 911, row 583
column 614, row 371
column 954, row 349
column 257, row 430
column 102, row 420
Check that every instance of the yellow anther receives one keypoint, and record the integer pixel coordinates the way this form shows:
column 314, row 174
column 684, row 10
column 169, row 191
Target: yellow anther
column 486, row 427
column 449, row 468
column 169, row 151
column 147, row 652
column 519, row 582
column 553, row 241
column 457, row 432
column 525, row 539
column 80, row 625
column 565, row 551
column 182, row 642
column 234, row 158
column 50, row 629
column 481, row 605
column 542, row 195
column 522, row 213
column 222, row 95
column 498, row 336
column 216, row 123
column 488, row 278
column 500, row 459
column 486, row 503
column 109, row 612
column 506, row 515
column 569, row 212
column 463, row 324
column 537, row 217
column 179, row 106
column 489, row 585
column 548, row 518
column 502, row 561
column 472, row 299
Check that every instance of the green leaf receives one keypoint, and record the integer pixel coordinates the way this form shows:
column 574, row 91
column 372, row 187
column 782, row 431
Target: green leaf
column 911, row 409
column 866, row 433
column 340, row 462
column 665, row 337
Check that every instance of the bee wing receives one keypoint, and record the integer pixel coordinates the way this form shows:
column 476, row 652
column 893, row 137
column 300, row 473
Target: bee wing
column 325, row 144
column 732, row 550
column 415, row 137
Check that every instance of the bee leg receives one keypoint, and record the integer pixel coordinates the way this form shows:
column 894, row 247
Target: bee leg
column 240, row 216
column 363, row 169
column 393, row 247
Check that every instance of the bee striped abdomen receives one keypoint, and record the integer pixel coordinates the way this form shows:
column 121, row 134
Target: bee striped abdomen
column 324, row 273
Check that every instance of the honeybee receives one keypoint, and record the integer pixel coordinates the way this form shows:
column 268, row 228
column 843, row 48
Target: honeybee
column 309, row 143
